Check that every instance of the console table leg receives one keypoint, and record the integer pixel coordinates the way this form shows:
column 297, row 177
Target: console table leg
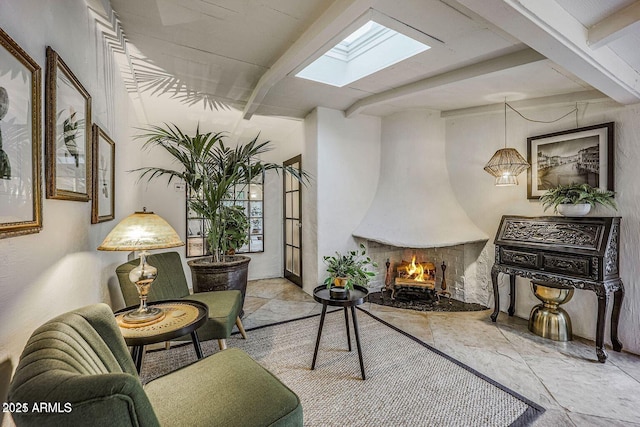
column 346, row 322
column 602, row 312
column 315, row 353
column 496, row 295
column 618, row 296
column 512, row 294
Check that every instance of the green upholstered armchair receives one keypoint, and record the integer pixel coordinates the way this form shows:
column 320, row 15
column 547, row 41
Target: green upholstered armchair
column 78, row 366
column 224, row 306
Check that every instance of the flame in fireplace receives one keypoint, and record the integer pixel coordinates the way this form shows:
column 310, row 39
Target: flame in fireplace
column 416, row 271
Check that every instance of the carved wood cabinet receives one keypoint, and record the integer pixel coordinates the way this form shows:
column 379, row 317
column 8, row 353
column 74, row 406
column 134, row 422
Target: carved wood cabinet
column 581, row 253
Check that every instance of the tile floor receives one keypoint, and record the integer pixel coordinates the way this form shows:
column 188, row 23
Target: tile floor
column 564, row 378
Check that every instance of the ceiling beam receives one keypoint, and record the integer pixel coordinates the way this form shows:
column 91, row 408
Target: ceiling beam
column 552, row 31
column 547, row 101
column 501, row 63
column 336, row 18
column 613, row 26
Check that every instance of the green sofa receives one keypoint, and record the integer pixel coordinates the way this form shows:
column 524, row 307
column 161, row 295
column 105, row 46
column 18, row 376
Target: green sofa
column 78, row 366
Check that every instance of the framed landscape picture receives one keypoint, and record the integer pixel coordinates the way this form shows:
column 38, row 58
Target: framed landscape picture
column 20, row 198
column 581, row 156
column 68, row 133
column 104, row 157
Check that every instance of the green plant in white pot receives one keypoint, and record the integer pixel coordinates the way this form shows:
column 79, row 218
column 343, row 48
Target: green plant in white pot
column 347, row 270
column 576, row 199
column 212, row 170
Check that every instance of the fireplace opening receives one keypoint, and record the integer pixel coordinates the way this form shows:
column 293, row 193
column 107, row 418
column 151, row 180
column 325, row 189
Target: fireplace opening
column 411, row 279
column 464, row 273
column 420, row 273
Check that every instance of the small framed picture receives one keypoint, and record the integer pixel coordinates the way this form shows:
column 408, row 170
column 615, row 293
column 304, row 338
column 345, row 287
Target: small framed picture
column 20, row 197
column 104, row 158
column 576, row 156
column 68, row 133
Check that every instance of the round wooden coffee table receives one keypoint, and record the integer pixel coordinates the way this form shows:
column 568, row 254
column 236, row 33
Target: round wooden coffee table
column 181, row 317
column 355, row 297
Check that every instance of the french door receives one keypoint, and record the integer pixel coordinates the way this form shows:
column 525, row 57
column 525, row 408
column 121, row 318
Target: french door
column 293, row 223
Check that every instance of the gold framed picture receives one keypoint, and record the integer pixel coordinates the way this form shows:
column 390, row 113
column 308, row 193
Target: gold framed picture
column 68, row 133
column 104, row 158
column 20, row 141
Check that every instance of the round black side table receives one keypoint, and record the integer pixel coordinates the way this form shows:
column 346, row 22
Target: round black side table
column 355, row 297
column 182, row 317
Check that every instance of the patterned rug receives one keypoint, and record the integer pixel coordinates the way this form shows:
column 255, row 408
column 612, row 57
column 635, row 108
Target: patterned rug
column 408, row 382
column 421, row 302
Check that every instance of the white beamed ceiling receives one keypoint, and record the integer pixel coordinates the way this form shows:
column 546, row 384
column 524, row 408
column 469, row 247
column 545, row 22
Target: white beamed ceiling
column 244, row 52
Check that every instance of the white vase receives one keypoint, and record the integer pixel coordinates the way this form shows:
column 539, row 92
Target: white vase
column 574, row 210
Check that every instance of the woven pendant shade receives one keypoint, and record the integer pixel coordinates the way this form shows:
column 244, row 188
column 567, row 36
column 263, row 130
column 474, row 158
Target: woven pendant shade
column 506, row 164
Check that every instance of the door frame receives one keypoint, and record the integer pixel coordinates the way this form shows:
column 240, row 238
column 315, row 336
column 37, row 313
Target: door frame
column 289, row 276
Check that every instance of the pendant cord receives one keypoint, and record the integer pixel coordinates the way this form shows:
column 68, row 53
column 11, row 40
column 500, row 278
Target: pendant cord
column 505, row 123
column 575, row 110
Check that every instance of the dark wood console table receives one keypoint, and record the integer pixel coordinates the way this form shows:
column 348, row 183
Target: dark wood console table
column 581, row 253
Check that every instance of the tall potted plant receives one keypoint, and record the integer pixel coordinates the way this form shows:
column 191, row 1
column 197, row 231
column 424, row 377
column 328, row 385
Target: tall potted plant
column 212, row 170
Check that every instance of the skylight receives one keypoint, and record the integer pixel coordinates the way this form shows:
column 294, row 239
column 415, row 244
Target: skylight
column 368, row 49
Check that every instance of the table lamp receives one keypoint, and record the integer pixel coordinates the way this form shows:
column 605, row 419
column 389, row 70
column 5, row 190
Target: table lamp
column 142, row 231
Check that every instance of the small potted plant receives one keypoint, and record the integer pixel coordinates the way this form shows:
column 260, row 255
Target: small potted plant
column 576, row 199
column 347, row 270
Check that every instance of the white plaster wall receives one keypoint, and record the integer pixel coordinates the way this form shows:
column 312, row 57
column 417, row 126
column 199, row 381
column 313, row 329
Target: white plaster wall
column 472, row 140
column 348, row 165
column 59, row 269
column 170, row 203
column 311, row 259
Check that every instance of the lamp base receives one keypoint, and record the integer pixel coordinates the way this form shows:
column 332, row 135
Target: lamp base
column 148, row 315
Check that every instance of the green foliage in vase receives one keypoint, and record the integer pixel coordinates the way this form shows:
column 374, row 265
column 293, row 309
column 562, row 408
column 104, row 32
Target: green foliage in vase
column 351, row 266
column 576, row 194
column 212, row 170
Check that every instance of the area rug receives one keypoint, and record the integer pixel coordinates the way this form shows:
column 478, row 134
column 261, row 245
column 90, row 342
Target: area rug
column 422, row 303
column 408, row 382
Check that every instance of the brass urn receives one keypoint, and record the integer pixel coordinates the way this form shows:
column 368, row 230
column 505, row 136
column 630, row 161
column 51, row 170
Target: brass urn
column 547, row 319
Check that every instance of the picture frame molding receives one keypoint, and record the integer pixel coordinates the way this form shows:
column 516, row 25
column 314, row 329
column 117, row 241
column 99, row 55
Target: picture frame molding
column 19, row 228
column 54, row 64
column 609, row 126
column 97, row 132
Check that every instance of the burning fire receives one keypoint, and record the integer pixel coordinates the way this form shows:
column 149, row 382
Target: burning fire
column 416, row 272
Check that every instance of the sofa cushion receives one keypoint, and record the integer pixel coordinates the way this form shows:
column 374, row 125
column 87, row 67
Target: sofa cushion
column 231, row 390
column 224, row 307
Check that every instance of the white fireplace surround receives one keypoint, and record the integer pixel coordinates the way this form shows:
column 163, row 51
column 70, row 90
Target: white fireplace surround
column 414, row 210
column 414, row 205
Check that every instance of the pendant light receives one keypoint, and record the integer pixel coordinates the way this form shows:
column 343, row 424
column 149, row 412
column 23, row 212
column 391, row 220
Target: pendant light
column 506, row 164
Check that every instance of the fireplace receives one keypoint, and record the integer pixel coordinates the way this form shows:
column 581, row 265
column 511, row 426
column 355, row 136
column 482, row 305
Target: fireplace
column 415, row 210
column 466, row 267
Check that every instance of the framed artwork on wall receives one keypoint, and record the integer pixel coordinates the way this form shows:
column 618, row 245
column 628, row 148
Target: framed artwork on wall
column 104, row 158
column 68, row 133
column 582, row 156
column 20, row 197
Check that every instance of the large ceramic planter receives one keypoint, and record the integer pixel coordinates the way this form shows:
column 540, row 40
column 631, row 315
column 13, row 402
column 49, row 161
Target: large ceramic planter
column 574, row 210
column 219, row 276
